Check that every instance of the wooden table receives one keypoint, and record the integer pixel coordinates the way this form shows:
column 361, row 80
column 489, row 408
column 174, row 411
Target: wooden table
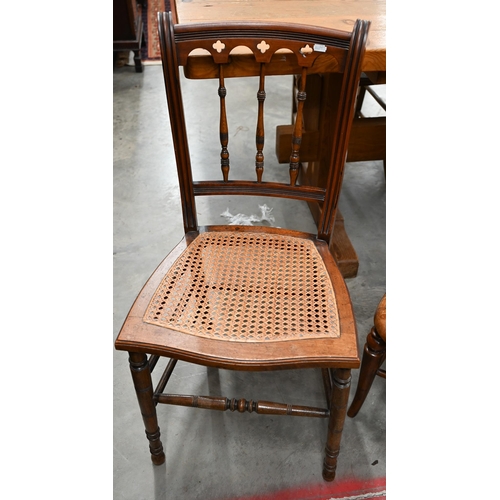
column 337, row 14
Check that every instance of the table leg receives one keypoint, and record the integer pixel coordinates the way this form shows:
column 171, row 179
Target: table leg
column 367, row 142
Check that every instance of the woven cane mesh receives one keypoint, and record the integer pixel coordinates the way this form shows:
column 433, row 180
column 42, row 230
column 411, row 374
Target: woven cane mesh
column 249, row 287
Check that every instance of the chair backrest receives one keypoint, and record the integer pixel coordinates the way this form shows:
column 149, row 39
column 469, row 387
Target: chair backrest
column 277, row 48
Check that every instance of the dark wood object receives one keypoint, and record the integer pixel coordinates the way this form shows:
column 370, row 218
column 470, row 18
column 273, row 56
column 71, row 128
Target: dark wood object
column 128, row 33
column 332, row 14
column 249, row 297
column 367, row 142
column 368, row 135
column 373, row 357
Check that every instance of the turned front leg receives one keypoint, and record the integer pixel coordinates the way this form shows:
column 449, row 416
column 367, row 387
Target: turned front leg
column 373, row 357
column 341, row 382
column 143, row 384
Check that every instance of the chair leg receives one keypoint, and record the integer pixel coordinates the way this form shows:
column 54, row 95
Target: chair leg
column 138, row 61
column 341, row 382
column 373, row 357
column 143, row 384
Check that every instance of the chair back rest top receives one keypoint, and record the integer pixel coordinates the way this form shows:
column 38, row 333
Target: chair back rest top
column 272, row 49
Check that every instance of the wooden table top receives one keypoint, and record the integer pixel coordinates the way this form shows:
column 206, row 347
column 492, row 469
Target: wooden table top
column 337, row 14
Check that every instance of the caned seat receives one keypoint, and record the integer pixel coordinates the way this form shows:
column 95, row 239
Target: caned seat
column 251, row 297
column 247, row 287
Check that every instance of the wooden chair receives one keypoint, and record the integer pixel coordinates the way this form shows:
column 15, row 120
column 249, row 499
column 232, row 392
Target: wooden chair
column 373, row 357
column 249, row 297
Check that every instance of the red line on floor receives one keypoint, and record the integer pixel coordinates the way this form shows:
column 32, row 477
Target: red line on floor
column 348, row 489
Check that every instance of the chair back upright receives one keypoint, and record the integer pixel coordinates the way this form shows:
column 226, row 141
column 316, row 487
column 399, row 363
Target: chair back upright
column 276, row 48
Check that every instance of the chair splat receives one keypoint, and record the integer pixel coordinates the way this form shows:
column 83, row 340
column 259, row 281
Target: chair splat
column 259, row 134
column 297, row 131
column 223, row 131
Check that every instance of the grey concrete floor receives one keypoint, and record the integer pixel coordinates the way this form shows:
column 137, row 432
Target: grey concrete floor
column 215, row 455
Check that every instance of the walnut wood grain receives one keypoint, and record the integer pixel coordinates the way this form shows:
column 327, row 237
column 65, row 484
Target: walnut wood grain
column 141, row 375
column 241, row 405
column 297, row 129
column 373, row 357
column 341, row 382
column 259, row 133
column 188, row 280
column 223, row 131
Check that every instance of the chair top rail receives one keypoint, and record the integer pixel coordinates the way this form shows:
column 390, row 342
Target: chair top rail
column 283, row 31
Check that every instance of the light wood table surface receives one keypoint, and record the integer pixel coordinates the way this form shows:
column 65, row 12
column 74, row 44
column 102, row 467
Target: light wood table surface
column 336, row 14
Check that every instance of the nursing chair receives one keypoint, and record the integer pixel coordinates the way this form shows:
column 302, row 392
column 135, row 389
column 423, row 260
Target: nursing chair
column 373, row 359
column 248, row 297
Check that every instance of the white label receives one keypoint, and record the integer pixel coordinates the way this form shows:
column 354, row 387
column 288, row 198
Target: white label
column 319, row 48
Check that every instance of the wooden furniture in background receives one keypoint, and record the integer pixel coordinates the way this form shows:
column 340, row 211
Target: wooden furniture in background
column 368, row 135
column 247, row 297
column 322, row 89
column 128, row 31
column 367, row 143
column 373, row 358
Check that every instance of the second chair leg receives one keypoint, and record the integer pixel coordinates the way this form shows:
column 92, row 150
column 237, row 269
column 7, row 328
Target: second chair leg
column 340, row 395
column 143, row 384
column 373, row 357
column 138, row 61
